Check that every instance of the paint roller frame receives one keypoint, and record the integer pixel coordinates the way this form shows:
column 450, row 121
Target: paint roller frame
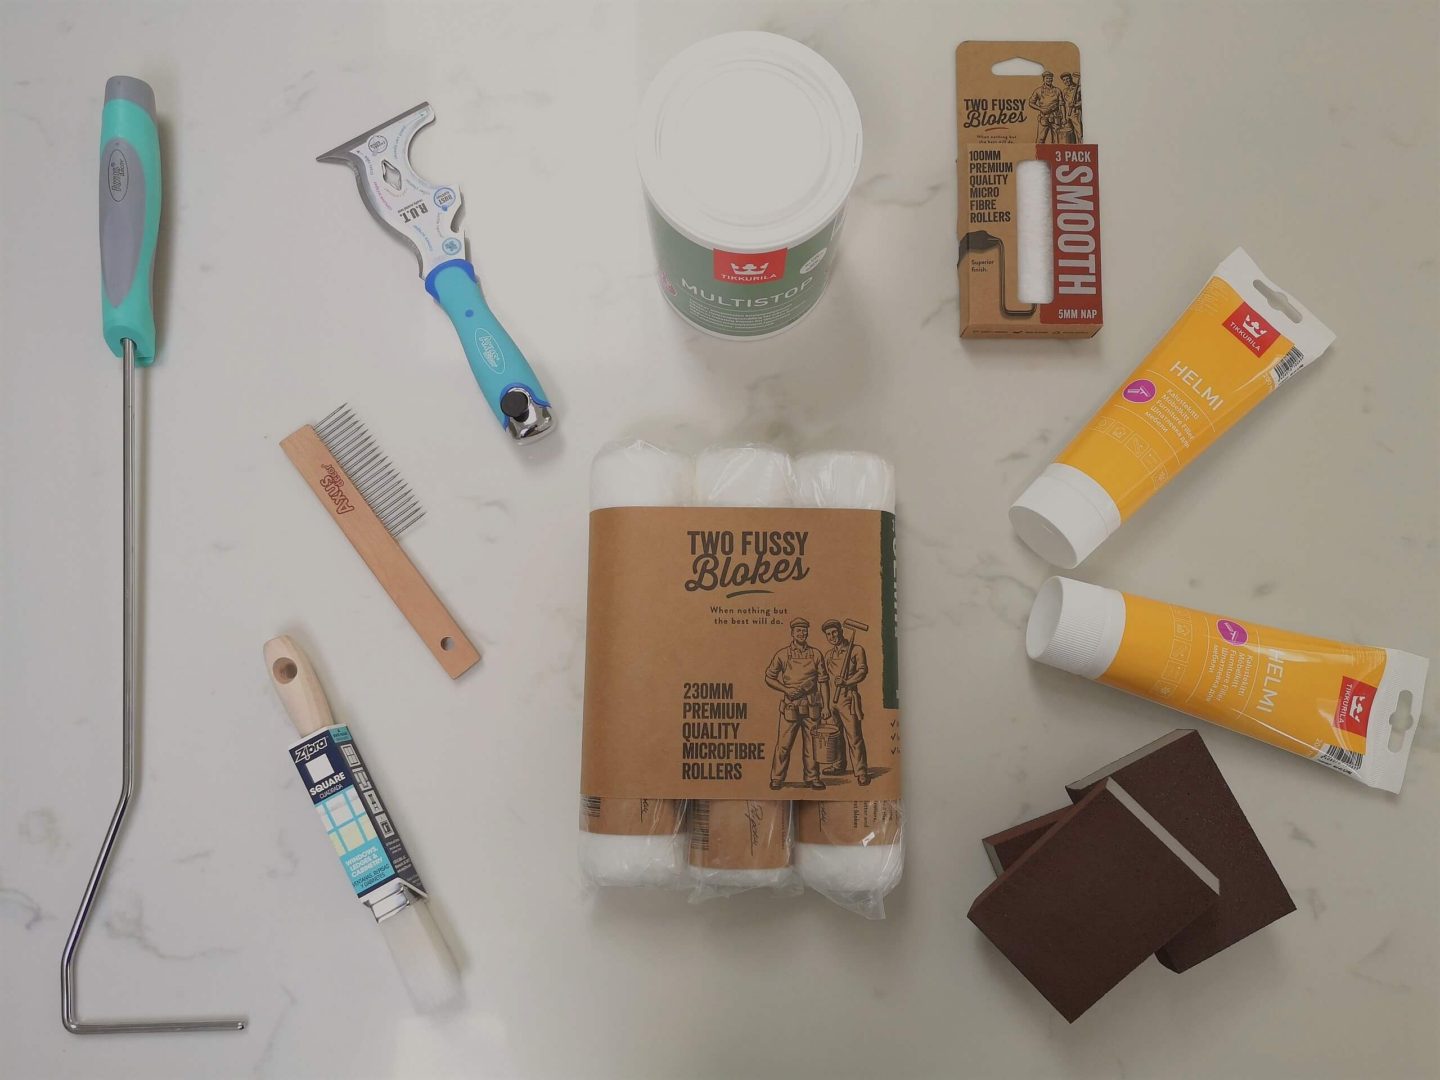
column 980, row 240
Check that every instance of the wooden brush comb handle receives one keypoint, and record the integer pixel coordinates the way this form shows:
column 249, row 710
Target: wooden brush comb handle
column 387, row 560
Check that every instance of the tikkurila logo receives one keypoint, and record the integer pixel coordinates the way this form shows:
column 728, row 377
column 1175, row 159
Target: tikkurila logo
column 1250, row 329
column 749, row 268
column 1352, row 711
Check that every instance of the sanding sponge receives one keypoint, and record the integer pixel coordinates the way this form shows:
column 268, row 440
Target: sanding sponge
column 1004, row 848
column 1178, row 782
column 1102, row 890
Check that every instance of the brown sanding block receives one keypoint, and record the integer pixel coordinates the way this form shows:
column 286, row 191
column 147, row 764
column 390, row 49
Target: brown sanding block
column 1178, row 782
column 1005, row 847
column 1097, row 894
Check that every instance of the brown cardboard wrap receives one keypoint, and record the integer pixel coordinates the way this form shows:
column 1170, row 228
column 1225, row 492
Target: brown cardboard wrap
column 740, row 834
column 631, row 817
column 858, row 822
column 720, row 639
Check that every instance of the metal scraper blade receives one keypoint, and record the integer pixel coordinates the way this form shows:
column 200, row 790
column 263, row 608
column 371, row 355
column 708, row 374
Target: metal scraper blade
column 417, row 211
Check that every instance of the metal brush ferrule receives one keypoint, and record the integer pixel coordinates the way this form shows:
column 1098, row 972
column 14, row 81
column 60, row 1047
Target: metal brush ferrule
column 395, row 900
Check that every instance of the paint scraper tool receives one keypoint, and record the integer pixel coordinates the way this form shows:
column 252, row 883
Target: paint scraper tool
column 424, row 215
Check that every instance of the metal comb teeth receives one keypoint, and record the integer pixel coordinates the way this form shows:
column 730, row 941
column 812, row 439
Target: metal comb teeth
column 375, row 479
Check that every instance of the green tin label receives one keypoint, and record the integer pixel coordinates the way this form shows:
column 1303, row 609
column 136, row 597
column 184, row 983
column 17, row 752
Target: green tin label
column 742, row 294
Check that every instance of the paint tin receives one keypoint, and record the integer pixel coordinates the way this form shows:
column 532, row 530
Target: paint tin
column 749, row 144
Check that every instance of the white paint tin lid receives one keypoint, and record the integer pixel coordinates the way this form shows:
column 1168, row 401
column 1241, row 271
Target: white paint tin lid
column 748, row 142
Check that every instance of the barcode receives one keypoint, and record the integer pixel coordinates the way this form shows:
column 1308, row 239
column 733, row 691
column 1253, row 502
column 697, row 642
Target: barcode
column 700, row 824
column 1287, row 365
column 590, row 805
column 1337, row 757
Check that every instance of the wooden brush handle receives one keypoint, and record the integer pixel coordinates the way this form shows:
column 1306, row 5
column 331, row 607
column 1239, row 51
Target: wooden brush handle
column 299, row 687
column 387, row 560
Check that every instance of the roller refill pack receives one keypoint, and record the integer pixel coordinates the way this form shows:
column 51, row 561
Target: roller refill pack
column 1029, row 188
column 741, row 704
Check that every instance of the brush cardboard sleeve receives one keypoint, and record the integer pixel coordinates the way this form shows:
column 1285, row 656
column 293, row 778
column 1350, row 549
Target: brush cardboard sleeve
column 741, row 685
column 1029, row 186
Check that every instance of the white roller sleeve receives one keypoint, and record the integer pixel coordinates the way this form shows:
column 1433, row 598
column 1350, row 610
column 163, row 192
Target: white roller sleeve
column 743, row 476
column 636, row 474
column 854, row 875
column 1034, row 233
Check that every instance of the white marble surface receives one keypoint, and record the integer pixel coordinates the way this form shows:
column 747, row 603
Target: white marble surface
column 1305, row 132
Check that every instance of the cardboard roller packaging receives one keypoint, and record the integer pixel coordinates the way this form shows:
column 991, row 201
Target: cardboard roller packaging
column 1093, row 898
column 1177, row 781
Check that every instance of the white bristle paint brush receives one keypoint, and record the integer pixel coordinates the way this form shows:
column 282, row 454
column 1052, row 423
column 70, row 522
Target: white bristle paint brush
column 651, row 848
column 854, row 875
column 361, row 830
column 751, row 476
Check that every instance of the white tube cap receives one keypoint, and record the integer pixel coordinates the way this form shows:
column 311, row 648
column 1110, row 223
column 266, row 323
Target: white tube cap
column 1075, row 626
column 1064, row 515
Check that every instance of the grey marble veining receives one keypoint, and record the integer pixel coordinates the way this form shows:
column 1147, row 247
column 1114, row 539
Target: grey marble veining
column 1219, row 125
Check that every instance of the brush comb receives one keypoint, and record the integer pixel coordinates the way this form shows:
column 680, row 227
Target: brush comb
column 370, row 502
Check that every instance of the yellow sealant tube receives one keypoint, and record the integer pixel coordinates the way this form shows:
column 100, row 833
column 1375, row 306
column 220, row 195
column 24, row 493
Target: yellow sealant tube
column 1351, row 707
column 1232, row 348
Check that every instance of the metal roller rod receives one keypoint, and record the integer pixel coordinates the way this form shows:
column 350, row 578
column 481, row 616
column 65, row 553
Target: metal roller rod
column 127, row 782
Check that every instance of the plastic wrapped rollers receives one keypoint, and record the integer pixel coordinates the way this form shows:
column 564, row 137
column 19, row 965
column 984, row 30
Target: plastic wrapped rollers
column 856, row 876
column 742, row 476
column 638, row 474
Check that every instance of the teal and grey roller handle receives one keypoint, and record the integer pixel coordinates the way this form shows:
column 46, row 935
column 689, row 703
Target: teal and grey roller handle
column 423, row 214
column 129, row 226
column 129, row 215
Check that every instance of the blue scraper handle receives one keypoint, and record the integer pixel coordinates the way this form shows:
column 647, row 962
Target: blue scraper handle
column 496, row 361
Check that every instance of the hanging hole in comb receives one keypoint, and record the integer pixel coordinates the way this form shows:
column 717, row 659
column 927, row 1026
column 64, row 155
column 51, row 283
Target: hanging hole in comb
column 284, row 670
column 1278, row 300
column 447, row 643
column 1401, row 721
column 1017, row 65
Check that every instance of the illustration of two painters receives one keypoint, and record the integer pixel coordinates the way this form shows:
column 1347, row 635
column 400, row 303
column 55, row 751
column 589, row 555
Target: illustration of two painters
column 815, row 687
